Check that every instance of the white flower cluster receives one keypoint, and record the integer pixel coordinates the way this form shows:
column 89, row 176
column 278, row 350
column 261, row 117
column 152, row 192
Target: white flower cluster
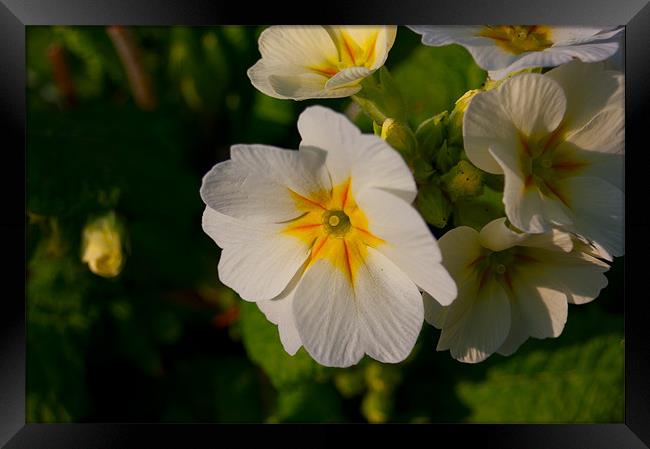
column 326, row 241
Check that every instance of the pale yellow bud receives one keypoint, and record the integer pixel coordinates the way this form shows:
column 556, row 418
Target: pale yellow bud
column 399, row 136
column 102, row 246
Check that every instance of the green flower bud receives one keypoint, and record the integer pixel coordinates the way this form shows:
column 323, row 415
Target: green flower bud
column 463, row 180
column 422, row 170
column 456, row 117
column 447, row 157
column 399, row 136
column 381, row 98
column 433, row 205
column 431, row 134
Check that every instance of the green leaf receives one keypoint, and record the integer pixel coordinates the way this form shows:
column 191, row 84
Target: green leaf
column 263, row 346
column 582, row 382
column 479, row 210
column 433, row 78
column 308, row 402
column 223, row 389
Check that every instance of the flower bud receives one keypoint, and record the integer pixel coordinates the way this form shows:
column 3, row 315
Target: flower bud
column 434, row 207
column 381, row 98
column 447, row 157
column 463, row 180
column 456, row 117
column 431, row 134
column 399, row 136
column 102, row 246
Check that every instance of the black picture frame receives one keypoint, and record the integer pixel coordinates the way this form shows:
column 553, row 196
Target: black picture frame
column 15, row 15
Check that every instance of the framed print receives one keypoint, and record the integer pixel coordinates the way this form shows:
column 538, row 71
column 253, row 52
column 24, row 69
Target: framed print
column 235, row 216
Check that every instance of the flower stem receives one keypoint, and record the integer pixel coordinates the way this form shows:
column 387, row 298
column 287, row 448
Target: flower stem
column 130, row 55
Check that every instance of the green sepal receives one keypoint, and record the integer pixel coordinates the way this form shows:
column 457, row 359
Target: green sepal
column 433, row 204
column 381, row 98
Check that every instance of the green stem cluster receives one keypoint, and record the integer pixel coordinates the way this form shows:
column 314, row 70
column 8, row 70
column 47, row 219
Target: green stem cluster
column 449, row 185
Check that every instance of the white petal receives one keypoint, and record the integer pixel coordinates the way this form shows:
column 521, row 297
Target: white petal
column 327, row 317
column 604, row 133
column 576, row 35
column 255, row 184
column 304, row 171
column 460, row 247
column 261, row 269
column 580, row 276
column 378, row 165
column 496, row 236
column 555, row 240
column 477, row 323
column 592, row 249
column 518, row 333
column 535, row 103
column 444, row 35
column 544, row 310
column 286, row 81
column 600, row 144
column 524, row 206
column 390, row 309
column 279, row 310
column 434, row 313
column 348, row 77
column 408, row 242
column 487, row 125
column 228, row 231
column 381, row 316
column 323, row 128
column 485, row 52
column 369, row 160
column 233, row 190
column 385, row 41
column 539, row 312
column 589, row 89
column 558, row 55
column 307, row 85
column 300, row 45
column 598, row 208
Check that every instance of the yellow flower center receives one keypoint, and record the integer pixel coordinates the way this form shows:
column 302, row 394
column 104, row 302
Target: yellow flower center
column 334, row 227
column 352, row 51
column 519, row 39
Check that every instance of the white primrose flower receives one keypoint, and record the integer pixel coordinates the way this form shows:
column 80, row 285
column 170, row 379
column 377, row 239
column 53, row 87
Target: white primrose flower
column 559, row 140
column 506, row 48
column 325, row 240
column 511, row 286
column 301, row 62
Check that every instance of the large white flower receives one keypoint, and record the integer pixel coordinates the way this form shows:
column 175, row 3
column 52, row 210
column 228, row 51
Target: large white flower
column 325, row 240
column 505, row 48
column 300, row 62
column 510, row 286
column 559, row 140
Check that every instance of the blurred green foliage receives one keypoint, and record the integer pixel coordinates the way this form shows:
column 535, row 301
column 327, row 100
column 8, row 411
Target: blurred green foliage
column 164, row 341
